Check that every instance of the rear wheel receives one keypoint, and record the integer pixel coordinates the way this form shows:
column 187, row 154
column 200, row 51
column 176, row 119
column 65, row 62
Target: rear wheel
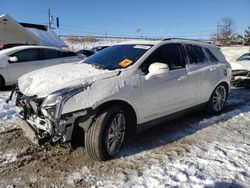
column 105, row 137
column 218, row 99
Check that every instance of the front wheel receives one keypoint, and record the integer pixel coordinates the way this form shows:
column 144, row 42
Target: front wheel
column 218, row 99
column 105, row 137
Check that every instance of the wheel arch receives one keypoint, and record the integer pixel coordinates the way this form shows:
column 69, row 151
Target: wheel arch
column 129, row 109
column 224, row 83
column 2, row 79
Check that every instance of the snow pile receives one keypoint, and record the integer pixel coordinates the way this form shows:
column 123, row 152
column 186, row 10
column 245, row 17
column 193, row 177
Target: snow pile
column 8, row 157
column 42, row 82
column 7, row 111
column 75, row 46
column 234, row 52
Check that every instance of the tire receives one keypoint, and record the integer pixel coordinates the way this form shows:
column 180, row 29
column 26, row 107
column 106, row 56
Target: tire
column 105, row 137
column 218, row 99
column 2, row 83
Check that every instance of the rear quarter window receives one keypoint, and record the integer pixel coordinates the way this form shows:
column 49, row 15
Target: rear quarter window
column 196, row 54
column 210, row 55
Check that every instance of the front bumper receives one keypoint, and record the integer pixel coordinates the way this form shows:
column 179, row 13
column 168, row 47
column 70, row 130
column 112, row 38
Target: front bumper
column 240, row 78
column 39, row 128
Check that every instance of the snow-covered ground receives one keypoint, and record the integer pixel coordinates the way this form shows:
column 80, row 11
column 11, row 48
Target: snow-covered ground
column 234, row 52
column 194, row 151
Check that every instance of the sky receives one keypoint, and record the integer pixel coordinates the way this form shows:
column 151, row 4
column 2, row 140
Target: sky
column 158, row 18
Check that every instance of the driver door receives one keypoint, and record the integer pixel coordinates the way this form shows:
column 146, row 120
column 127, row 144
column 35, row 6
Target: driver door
column 167, row 93
column 27, row 61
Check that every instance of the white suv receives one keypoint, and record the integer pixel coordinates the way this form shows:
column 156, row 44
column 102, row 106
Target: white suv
column 120, row 90
column 16, row 61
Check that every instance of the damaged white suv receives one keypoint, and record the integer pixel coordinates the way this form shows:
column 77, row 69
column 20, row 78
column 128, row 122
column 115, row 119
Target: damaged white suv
column 120, row 90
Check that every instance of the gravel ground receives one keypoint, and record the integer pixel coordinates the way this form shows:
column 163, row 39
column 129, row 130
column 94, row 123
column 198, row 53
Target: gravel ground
column 197, row 150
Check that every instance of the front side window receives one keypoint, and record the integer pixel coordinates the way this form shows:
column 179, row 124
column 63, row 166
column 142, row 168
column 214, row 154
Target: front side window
column 170, row 54
column 118, row 56
column 27, row 55
column 196, row 54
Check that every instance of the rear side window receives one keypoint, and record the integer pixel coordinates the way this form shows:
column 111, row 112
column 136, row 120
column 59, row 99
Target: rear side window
column 171, row 54
column 27, row 55
column 50, row 54
column 196, row 54
column 211, row 55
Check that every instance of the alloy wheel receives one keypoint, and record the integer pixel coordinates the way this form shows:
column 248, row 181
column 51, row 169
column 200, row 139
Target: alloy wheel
column 116, row 133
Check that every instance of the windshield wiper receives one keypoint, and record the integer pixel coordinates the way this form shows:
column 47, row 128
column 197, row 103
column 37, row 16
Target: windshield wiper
column 98, row 66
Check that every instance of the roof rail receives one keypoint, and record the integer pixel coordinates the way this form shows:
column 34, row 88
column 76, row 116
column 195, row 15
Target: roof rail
column 185, row 39
column 196, row 40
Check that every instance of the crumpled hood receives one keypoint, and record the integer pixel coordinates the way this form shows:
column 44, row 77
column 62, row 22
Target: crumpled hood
column 45, row 81
column 241, row 65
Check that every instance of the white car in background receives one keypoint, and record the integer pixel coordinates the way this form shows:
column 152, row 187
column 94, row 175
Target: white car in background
column 123, row 89
column 16, row 61
column 241, row 71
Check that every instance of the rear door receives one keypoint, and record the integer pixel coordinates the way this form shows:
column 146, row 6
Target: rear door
column 203, row 73
column 27, row 60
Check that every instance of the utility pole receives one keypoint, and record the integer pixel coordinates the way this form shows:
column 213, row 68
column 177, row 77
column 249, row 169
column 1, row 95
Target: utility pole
column 217, row 31
column 49, row 17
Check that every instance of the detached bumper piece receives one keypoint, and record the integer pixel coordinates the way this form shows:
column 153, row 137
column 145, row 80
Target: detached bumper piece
column 31, row 133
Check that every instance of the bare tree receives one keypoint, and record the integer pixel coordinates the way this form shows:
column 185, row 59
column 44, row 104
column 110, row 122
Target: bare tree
column 247, row 36
column 226, row 31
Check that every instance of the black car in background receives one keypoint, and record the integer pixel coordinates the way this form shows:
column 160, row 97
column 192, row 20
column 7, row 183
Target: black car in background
column 92, row 51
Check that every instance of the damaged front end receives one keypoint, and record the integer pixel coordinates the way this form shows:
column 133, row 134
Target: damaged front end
column 240, row 78
column 42, row 119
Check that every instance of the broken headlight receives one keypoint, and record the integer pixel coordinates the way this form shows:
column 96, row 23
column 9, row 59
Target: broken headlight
column 53, row 104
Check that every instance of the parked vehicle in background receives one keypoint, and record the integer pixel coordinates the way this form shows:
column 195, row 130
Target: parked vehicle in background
column 241, row 71
column 16, row 61
column 92, row 51
column 121, row 90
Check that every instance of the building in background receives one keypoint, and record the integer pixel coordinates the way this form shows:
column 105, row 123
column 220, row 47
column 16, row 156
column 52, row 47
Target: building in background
column 14, row 33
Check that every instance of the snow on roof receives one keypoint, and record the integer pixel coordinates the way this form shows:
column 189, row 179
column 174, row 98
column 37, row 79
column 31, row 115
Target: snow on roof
column 13, row 32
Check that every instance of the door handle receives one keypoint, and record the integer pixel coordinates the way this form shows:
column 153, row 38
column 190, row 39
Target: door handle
column 181, row 78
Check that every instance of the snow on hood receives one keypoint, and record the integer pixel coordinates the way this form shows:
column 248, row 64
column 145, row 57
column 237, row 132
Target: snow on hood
column 45, row 81
column 240, row 65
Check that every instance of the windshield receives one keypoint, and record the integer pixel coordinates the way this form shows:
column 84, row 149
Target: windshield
column 245, row 57
column 118, row 56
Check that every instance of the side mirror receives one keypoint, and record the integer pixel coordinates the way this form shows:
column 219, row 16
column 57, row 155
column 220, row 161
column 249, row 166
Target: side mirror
column 13, row 59
column 157, row 69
